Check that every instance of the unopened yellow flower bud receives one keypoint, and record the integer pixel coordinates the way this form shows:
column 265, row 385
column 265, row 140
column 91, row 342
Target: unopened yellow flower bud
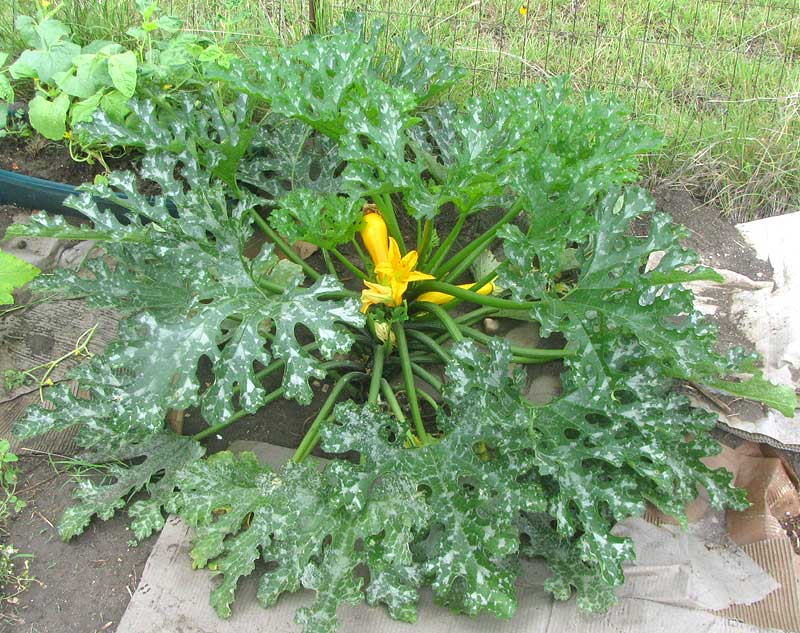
column 384, row 332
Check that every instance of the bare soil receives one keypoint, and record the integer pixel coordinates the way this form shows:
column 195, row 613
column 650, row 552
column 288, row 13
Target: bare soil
column 44, row 159
column 80, row 587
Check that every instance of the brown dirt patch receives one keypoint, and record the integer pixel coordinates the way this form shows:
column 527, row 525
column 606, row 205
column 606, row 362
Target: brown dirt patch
column 79, row 586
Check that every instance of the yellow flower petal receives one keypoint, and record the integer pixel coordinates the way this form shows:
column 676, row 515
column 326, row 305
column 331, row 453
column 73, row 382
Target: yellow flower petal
column 440, row 298
column 375, row 294
column 394, row 252
column 416, row 275
column 409, row 261
column 375, row 237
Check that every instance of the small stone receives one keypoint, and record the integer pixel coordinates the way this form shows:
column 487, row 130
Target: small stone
column 524, row 335
column 491, row 326
column 544, row 388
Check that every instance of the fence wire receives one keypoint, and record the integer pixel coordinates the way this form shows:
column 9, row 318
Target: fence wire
column 665, row 57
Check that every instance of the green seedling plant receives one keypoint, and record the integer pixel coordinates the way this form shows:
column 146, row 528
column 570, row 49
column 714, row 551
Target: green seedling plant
column 430, row 216
column 8, row 481
column 40, row 374
column 6, row 94
column 14, row 566
column 74, row 83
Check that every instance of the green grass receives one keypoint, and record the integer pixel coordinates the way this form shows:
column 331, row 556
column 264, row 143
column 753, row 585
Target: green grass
column 720, row 77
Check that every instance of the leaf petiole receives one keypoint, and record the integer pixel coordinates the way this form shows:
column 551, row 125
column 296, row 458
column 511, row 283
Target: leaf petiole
column 377, row 373
column 464, row 258
column 447, row 244
column 311, row 437
column 391, row 399
column 281, row 244
column 408, row 378
column 348, row 264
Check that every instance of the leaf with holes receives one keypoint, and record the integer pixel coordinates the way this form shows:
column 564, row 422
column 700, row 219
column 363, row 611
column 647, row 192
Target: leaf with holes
column 164, row 453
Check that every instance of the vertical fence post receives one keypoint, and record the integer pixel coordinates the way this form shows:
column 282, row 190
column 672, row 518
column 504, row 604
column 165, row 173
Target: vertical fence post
column 313, row 26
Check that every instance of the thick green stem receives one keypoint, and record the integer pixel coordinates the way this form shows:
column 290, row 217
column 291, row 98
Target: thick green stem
column 424, row 243
column 283, row 246
column 427, row 376
column 472, row 297
column 468, row 318
column 430, row 344
column 475, row 315
column 384, row 202
column 528, row 352
column 462, row 260
column 528, row 355
column 270, row 397
column 408, row 378
column 311, row 437
column 448, row 321
column 328, row 262
column 238, row 415
column 377, row 373
column 391, row 399
column 445, row 247
column 348, row 264
column 429, row 399
column 473, row 288
column 365, row 260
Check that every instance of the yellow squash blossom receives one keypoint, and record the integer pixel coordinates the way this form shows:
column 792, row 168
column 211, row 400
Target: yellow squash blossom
column 399, row 271
column 394, row 272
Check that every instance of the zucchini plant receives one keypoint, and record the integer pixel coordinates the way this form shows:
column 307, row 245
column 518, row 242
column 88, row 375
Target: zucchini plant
column 430, row 216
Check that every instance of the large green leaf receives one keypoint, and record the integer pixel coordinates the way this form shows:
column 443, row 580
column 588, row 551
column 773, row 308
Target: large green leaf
column 122, row 69
column 192, row 293
column 468, row 151
column 287, row 154
column 574, row 151
column 326, row 221
column 474, row 500
column 612, row 298
column 620, row 436
column 569, row 571
column 423, row 70
column 14, row 273
column 312, row 80
column 374, row 144
column 307, row 526
column 51, row 49
column 216, row 137
column 163, row 454
column 455, row 509
column 49, row 116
